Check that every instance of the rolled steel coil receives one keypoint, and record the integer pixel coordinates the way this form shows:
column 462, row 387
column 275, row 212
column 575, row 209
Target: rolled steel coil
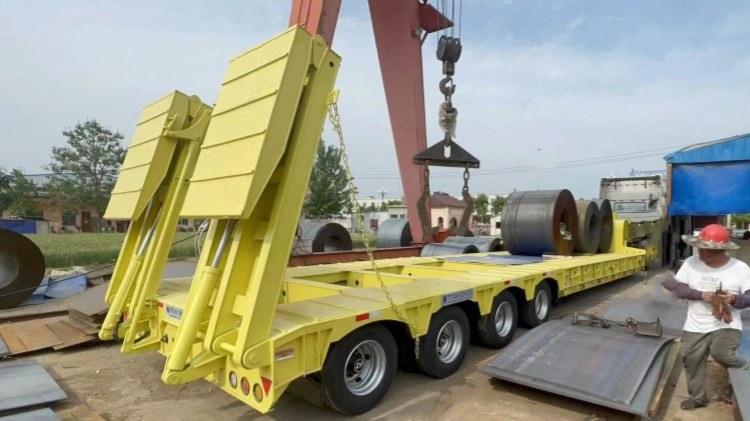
column 483, row 243
column 21, row 268
column 607, row 224
column 326, row 236
column 442, row 249
column 539, row 222
column 394, row 232
column 589, row 227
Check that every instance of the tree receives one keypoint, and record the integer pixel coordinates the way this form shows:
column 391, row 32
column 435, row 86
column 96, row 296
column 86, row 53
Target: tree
column 394, row 202
column 383, row 206
column 497, row 204
column 5, row 198
column 481, row 206
column 84, row 172
column 328, row 184
column 18, row 195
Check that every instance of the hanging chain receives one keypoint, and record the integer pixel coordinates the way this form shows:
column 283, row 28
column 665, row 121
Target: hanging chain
column 466, row 179
column 427, row 177
column 335, row 119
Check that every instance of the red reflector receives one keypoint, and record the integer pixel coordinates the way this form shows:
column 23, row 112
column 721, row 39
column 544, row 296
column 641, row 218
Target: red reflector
column 266, row 384
column 160, row 304
column 245, row 386
column 360, row 317
column 507, row 282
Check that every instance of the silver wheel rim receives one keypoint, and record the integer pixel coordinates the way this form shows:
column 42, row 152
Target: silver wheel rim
column 504, row 319
column 449, row 341
column 365, row 368
column 541, row 304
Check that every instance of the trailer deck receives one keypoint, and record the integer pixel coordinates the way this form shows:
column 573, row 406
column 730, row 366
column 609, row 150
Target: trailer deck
column 321, row 304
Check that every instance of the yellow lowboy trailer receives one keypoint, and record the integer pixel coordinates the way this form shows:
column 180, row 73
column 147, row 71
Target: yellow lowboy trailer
column 247, row 322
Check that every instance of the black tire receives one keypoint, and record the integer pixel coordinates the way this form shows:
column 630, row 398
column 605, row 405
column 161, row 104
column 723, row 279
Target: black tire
column 529, row 316
column 369, row 343
column 445, row 326
column 496, row 328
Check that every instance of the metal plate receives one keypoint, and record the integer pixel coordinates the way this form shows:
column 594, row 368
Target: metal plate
column 43, row 414
column 25, row 384
column 649, row 303
column 581, row 362
column 495, row 259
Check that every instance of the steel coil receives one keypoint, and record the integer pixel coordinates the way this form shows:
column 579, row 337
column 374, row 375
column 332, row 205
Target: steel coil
column 394, row 232
column 326, row 236
column 21, row 268
column 483, row 243
column 607, row 225
column 589, row 227
column 442, row 249
column 539, row 222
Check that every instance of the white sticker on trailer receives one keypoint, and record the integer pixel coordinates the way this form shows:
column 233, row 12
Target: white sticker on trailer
column 173, row 312
column 457, row 297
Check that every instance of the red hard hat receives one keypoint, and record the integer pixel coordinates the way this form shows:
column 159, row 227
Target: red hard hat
column 714, row 233
column 713, row 236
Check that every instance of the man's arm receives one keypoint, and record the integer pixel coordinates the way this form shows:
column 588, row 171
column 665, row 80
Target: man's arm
column 681, row 289
column 740, row 301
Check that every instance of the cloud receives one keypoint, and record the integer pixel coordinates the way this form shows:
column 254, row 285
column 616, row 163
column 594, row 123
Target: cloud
column 523, row 101
column 576, row 22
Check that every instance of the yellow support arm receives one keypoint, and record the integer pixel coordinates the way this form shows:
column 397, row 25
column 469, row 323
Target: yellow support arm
column 250, row 179
column 150, row 192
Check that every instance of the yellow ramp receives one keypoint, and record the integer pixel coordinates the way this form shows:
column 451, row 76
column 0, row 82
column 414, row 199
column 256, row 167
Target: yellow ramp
column 244, row 144
column 148, row 157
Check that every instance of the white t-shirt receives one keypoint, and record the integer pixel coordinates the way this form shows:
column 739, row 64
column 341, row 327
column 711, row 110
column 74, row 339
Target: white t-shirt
column 734, row 277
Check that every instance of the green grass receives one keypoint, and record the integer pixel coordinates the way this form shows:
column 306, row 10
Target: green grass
column 66, row 250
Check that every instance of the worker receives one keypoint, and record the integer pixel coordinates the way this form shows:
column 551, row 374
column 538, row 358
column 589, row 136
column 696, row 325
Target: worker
column 717, row 287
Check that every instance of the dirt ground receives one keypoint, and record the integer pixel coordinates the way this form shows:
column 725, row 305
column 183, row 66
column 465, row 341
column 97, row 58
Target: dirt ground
column 121, row 387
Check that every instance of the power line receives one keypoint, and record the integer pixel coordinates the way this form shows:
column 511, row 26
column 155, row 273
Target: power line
column 605, row 159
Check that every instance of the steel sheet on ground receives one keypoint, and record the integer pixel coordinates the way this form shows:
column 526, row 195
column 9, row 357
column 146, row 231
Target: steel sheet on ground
column 43, row 414
column 25, row 384
column 609, row 367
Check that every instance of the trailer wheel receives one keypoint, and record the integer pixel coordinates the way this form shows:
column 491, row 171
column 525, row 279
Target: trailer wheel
column 536, row 311
column 496, row 329
column 442, row 349
column 359, row 370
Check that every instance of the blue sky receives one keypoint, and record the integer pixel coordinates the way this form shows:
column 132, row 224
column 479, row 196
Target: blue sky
column 542, row 85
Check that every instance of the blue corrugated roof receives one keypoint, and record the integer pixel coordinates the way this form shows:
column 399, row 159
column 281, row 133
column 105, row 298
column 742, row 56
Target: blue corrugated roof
column 735, row 148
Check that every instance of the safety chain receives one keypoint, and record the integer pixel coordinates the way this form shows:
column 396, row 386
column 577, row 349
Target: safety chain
column 335, row 119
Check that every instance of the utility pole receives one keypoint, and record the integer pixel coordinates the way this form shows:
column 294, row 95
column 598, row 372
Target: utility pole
column 382, row 192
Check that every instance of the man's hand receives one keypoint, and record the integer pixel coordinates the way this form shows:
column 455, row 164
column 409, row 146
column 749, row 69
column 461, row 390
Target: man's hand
column 708, row 296
column 727, row 297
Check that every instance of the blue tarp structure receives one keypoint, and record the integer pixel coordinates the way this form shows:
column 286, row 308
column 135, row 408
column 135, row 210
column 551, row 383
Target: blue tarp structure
column 21, row 226
column 711, row 178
